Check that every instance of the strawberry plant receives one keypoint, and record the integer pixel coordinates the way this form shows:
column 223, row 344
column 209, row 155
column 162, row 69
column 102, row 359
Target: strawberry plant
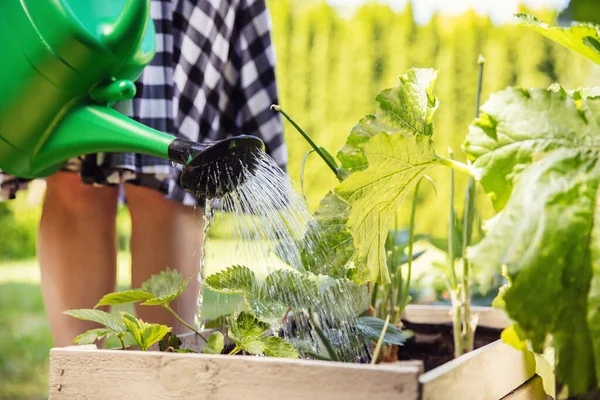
column 245, row 330
column 327, row 305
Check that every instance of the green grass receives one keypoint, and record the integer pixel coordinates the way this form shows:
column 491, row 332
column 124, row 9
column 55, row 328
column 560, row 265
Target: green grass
column 24, row 342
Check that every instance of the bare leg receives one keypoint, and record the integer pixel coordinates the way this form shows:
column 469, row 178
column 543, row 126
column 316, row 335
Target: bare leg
column 76, row 250
column 164, row 235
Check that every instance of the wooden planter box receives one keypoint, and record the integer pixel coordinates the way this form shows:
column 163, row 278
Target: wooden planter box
column 493, row 372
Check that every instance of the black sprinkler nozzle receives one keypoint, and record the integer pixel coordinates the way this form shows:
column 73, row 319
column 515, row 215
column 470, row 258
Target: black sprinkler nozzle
column 214, row 169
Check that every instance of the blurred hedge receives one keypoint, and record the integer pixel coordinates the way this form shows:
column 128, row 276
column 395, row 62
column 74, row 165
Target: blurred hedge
column 19, row 221
column 330, row 69
column 18, row 230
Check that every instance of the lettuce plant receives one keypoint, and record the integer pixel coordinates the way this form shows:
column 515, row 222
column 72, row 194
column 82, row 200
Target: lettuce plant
column 387, row 154
column 535, row 152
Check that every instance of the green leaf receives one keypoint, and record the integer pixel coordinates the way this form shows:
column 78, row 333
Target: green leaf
column 371, row 328
column 343, row 299
column 593, row 313
column 582, row 38
column 245, row 326
column 253, row 345
column 274, row 346
column 392, row 150
column 216, row 343
column 517, row 127
column 396, row 162
column 166, row 300
column 92, row 336
column 513, row 336
column 289, row 288
column 334, row 246
column 246, row 331
column 407, row 107
column 543, row 236
column 265, row 308
column 112, row 322
column 236, row 279
column 127, row 296
column 580, row 94
column 327, row 246
column 165, row 286
column 145, row 334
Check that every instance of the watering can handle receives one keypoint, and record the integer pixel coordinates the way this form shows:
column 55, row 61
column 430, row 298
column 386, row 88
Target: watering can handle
column 127, row 32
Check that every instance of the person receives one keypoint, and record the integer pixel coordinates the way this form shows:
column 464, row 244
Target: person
column 213, row 76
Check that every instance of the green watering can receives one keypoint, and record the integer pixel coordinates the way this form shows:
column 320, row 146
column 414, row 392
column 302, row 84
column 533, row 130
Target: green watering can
column 63, row 64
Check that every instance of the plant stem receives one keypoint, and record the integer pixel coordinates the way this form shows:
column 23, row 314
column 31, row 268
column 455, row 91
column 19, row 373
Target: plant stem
column 384, row 301
column 323, row 338
column 317, row 356
column 469, row 216
column 235, row 350
column 309, row 140
column 400, row 296
column 184, row 323
column 456, row 165
column 287, row 312
column 380, row 341
column 411, row 241
column 467, row 331
column 122, row 342
column 481, row 63
column 456, row 323
column 451, row 219
column 374, row 295
column 456, row 311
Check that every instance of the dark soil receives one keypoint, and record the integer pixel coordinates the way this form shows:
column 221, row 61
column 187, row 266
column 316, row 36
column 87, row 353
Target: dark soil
column 433, row 343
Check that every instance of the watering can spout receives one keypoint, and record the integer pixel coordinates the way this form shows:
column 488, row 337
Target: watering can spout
column 126, row 33
column 64, row 63
column 211, row 169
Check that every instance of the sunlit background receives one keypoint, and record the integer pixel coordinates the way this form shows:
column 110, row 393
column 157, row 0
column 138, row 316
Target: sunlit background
column 423, row 10
column 333, row 58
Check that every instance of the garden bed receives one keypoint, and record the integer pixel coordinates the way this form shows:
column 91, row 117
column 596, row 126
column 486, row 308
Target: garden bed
column 493, row 371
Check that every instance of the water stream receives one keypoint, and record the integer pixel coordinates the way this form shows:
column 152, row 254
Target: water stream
column 264, row 223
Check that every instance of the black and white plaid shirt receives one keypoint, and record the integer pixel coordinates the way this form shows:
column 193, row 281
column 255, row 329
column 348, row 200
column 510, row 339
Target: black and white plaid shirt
column 213, row 76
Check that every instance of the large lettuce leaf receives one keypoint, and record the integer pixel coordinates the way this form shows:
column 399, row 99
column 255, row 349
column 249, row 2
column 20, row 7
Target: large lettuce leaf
column 396, row 148
column 593, row 314
column 396, row 162
column 406, row 108
column 517, row 127
column 537, row 151
column 582, row 38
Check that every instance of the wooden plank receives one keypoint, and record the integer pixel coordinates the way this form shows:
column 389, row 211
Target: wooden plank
column 420, row 314
column 112, row 374
column 533, row 389
column 488, row 373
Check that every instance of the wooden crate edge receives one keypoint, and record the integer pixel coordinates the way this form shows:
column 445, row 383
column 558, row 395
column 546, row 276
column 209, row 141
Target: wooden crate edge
column 494, row 370
column 77, row 373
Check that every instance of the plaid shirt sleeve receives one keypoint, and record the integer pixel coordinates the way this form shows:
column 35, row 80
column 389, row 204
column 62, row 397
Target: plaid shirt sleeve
column 251, row 73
